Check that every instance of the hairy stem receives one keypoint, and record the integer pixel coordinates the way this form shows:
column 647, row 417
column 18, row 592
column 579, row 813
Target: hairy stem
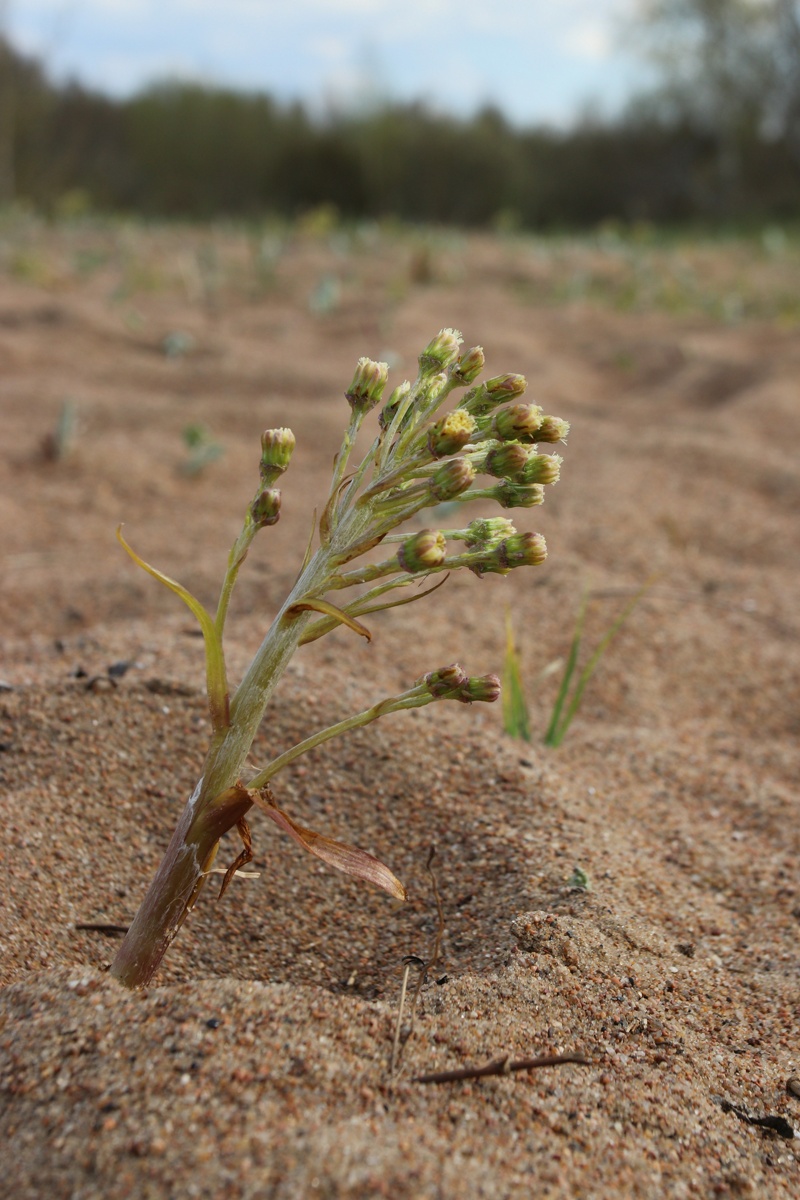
column 209, row 813
column 177, row 883
column 414, row 698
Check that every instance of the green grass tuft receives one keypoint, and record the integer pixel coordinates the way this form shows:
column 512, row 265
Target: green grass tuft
column 516, row 720
column 561, row 717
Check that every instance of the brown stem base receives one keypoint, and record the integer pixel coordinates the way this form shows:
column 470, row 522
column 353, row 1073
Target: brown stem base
column 177, row 883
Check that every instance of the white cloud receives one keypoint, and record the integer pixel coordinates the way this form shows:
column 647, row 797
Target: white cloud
column 535, row 58
column 589, row 40
column 334, row 50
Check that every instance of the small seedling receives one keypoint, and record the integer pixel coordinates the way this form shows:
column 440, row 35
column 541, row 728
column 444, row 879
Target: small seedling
column 202, row 448
column 561, row 718
column 59, row 443
column 177, row 344
column 326, row 296
column 578, row 879
column 516, row 718
column 417, row 460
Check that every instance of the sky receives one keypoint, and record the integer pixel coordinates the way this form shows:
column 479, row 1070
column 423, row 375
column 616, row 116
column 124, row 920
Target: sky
column 539, row 61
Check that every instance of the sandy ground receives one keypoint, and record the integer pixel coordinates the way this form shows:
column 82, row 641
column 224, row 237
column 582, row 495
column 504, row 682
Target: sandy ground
column 257, row 1065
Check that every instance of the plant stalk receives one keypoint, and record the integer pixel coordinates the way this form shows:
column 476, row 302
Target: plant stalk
column 208, row 815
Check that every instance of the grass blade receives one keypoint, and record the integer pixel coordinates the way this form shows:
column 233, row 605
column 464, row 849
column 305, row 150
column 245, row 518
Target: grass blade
column 554, row 733
column 516, row 720
column 216, row 679
column 558, row 726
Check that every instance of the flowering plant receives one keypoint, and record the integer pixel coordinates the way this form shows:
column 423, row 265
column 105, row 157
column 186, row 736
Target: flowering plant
column 418, row 460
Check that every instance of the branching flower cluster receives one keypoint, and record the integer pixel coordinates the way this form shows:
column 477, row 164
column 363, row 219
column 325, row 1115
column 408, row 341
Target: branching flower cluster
column 428, row 452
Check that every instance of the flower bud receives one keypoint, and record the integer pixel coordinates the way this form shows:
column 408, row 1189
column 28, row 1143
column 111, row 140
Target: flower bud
column 431, row 388
column 447, row 681
column 422, row 551
column 451, row 433
column 441, row 352
column 552, row 429
column 524, row 550
column 481, row 687
column 477, row 401
column 518, row 550
column 518, row 495
column 484, row 533
column 519, row 422
column 277, row 446
column 368, row 383
column 506, row 461
column 389, row 410
column 506, row 387
column 266, row 508
column 482, row 399
column 469, row 366
column 452, row 478
column 540, row 468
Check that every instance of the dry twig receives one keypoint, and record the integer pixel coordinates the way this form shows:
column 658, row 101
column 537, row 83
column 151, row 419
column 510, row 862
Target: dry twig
column 502, row 1066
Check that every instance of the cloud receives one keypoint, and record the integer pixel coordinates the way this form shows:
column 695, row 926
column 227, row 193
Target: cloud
column 589, row 40
column 535, row 59
column 329, row 49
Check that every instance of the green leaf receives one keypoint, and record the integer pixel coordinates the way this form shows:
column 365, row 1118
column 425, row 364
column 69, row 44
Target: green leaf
column 216, row 681
column 555, row 732
column 516, row 719
column 557, row 729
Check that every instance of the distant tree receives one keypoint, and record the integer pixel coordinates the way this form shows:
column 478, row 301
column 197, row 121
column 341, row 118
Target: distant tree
column 730, row 68
column 7, row 111
column 25, row 99
column 784, row 112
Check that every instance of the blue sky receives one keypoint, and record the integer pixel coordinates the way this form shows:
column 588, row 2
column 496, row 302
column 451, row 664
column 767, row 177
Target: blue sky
column 539, row 61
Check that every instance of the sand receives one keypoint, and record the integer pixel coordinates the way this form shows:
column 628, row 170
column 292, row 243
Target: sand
column 258, row 1063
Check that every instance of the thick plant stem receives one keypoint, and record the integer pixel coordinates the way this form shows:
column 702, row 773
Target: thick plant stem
column 175, row 887
column 208, row 815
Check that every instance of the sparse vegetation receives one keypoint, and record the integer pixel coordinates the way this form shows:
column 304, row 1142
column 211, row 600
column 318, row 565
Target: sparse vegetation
column 202, row 449
column 516, row 714
column 569, row 698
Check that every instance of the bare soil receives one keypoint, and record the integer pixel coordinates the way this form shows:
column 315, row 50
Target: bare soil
column 258, row 1063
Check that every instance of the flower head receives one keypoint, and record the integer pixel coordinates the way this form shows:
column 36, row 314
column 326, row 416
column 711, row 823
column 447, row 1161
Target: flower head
column 452, row 478
column 451, row 433
column 389, row 410
column 506, row 461
column 446, row 681
column 517, row 550
column 485, row 688
column 482, row 399
column 441, row 352
column 453, row 683
column 422, row 551
column 277, row 447
column 469, row 366
column 518, row 422
column 266, row 508
column 518, row 495
column 552, row 429
column 540, row 468
column 525, row 550
column 368, row 383
column 486, row 532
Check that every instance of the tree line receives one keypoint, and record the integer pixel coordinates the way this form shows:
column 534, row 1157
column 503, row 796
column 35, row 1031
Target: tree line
column 729, row 151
